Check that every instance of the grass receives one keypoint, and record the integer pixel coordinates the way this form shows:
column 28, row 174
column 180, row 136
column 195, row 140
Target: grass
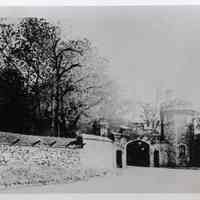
column 12, row 176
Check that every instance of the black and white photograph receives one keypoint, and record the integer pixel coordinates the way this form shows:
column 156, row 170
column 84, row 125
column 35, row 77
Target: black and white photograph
column 100, row 99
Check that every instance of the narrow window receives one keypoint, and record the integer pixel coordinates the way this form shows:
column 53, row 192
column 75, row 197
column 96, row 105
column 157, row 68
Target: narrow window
column 182, row 150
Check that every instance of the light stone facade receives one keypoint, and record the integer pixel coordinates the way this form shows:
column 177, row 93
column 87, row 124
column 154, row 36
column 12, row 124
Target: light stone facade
column 175, row 144
column 178, row 134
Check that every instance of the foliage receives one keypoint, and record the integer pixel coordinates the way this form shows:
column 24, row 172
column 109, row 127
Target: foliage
column 14, row 101
column 64, row 79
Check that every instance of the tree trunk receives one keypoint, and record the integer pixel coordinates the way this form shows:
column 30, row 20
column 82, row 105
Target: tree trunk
column 57, row 106
column 63, row 121
column 53, row 112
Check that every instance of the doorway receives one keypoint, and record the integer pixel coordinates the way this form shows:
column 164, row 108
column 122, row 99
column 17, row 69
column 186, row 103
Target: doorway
column 156, row 158
column 119, row 158
column 137, row 154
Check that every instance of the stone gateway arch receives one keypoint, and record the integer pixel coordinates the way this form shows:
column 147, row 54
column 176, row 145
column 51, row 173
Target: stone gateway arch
column 138, row 153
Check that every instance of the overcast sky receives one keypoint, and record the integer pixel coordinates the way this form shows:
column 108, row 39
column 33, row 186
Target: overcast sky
column 148, row 47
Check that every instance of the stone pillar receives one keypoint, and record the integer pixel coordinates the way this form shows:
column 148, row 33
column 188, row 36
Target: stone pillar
column 103, row 125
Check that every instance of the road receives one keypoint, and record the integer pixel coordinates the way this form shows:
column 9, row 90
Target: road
column 130, row 180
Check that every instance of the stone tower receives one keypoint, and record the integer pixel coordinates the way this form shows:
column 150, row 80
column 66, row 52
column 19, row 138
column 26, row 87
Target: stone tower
column 178, row 133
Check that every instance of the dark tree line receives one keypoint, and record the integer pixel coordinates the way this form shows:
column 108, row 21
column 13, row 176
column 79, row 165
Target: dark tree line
column 14, row 100
column 47, row 83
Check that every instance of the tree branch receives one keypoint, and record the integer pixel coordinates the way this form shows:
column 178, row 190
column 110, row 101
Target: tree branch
column 69, row 68
column 67, row 50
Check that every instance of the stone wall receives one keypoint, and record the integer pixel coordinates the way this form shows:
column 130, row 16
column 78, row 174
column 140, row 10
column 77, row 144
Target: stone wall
column 170, row 136
column 29, row 140
column 25, row 164
column 164, row 156
column 22, row 165
column 43, row 156
column 98, row 152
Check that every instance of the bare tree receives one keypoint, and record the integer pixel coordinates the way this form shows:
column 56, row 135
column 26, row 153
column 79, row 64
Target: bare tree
column 60, row 74
column 150, row 115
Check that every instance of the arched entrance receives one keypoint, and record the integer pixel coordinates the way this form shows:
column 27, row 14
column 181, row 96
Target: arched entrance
column 137, row 153
column 196, row 153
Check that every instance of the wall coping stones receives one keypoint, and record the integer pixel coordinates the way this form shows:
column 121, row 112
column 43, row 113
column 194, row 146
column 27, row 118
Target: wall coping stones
column 96, row 137
column 8, row 138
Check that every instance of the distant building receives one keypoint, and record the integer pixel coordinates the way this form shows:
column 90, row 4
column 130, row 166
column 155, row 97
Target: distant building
column 100, row 127
column 175, row 144
column 104, row 126
column 178, row 132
